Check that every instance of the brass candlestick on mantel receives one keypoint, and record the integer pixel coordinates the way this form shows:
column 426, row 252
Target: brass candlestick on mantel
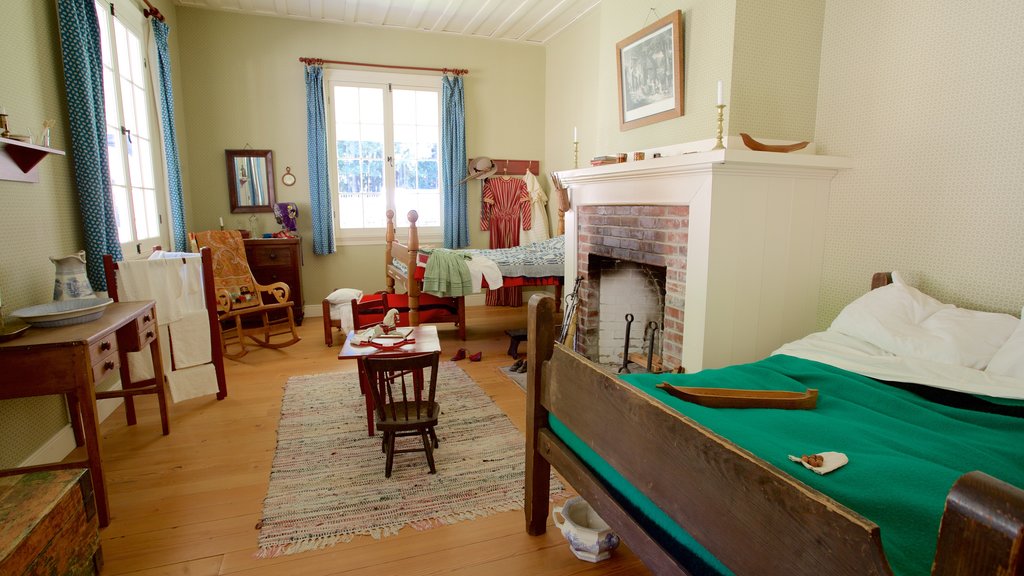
column 718, row 132
column 3, row 126
column 575, row 154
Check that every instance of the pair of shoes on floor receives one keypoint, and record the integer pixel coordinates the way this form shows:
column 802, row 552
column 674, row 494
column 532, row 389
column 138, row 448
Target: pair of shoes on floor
column 461, row 355
column 519, row 367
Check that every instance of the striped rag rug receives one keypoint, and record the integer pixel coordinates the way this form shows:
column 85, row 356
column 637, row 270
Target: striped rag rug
column 327, row 481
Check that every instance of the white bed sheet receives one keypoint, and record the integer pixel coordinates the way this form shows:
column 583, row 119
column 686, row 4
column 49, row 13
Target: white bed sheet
column 849, row 353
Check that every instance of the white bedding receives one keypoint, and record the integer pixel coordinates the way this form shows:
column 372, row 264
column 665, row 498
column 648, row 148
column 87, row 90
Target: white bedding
column 850, row 353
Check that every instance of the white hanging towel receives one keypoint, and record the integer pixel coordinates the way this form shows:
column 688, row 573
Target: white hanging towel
column 538, row 212
column 175, row 283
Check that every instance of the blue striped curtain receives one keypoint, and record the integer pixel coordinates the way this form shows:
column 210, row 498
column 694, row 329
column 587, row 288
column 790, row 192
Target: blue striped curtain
column 83, row 82
column 316, row 150
column 453, row 163
column 165, row 94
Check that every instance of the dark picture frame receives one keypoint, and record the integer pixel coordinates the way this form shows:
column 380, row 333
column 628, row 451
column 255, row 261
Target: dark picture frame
column 650, row 66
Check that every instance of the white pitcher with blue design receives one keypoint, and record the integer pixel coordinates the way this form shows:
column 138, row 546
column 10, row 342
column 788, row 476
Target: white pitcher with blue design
column 71, row 281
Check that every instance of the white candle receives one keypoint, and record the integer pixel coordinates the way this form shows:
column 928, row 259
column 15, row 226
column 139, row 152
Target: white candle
column 719, row 92
column 574, row 138
column 221, row 221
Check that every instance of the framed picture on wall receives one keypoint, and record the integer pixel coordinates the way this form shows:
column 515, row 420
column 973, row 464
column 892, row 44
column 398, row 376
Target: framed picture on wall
column 650, row 64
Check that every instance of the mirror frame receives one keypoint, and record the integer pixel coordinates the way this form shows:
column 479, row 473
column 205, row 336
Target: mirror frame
column 268, row 156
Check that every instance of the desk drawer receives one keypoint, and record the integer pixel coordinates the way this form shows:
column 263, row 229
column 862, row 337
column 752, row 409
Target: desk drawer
column 103, row 366
column 103, row 347
column 141, row 332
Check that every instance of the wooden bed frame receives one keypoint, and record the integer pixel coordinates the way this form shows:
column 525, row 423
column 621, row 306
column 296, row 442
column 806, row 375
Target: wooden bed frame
column 775, row 524
column 407, row 252
column 447, row 309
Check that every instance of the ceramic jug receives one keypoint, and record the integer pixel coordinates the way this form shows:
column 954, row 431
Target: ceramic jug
column 71, row 282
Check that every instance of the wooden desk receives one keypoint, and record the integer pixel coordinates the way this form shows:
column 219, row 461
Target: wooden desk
column 426, row 340
column 70, row 360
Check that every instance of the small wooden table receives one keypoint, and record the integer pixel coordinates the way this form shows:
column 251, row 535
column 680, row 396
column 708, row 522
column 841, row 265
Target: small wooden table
column 426, row 340
column 70, row 360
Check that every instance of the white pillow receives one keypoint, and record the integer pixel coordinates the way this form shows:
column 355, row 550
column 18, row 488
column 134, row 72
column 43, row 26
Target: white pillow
column 1009, row 360
column 968, row 337
column 906, row 322
column 892, row 311
column 344, row 295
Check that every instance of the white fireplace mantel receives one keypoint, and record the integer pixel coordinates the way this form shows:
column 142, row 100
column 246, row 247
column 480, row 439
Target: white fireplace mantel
column 755, row 241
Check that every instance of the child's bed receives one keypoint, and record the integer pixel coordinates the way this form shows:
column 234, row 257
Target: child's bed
column 538, row 264
column 673, row 480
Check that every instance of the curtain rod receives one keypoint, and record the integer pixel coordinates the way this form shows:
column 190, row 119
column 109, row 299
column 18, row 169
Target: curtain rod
column 321, row 61
column 152, row 11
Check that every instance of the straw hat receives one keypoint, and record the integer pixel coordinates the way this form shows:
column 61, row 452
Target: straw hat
column 480, row 168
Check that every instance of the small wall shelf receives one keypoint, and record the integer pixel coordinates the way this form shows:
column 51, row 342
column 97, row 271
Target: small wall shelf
column 18, row 160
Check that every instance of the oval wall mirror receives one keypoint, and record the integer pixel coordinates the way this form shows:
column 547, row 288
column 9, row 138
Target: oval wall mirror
column 250, row 180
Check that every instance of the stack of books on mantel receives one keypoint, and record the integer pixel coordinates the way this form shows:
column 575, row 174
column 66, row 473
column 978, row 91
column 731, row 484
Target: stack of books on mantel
column 602, row 160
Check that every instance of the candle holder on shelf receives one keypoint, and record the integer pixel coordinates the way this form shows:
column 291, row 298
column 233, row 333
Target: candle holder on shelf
column 4, row 132
column 575, row 154
column 718, row 131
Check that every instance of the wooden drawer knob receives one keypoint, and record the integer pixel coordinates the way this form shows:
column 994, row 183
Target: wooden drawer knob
column 109, row 365
column 105, row 345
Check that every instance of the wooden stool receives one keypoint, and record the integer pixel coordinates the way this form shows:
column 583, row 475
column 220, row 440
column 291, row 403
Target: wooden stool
column 515, row 337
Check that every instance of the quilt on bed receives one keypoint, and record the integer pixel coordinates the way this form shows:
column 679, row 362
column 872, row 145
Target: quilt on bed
column 905, row 452
column 536, row 260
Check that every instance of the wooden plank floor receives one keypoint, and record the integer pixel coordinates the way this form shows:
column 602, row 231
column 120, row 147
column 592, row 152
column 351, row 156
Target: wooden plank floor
column 188, row 503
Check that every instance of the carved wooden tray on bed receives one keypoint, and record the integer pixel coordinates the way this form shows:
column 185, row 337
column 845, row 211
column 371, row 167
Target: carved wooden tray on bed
column 751, row 516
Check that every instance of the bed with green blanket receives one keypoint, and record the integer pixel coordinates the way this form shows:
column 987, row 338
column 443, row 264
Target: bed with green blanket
column 712, row 491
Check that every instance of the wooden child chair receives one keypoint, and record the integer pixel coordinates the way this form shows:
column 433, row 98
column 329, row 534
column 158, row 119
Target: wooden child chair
column 404, row 404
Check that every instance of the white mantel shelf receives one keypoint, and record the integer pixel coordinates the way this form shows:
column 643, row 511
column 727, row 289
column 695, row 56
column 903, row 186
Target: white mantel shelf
column 755, row 238
column 696, row 161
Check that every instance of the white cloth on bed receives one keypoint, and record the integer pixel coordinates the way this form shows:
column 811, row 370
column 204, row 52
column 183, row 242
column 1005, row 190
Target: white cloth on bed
column 481, row 268
column 341, row 306
column 850, row 353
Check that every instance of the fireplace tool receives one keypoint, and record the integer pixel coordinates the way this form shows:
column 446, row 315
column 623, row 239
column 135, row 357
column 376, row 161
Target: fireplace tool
column 569, row 317
column 652, row 328
column 625, row 349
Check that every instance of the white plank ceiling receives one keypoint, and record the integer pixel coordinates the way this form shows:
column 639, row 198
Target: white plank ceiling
column 528, row 21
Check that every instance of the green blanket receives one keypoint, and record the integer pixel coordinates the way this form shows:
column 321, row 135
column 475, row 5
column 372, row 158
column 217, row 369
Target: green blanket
column 905, row 452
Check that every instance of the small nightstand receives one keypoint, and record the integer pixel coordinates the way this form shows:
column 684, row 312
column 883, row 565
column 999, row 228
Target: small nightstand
column 278, row 260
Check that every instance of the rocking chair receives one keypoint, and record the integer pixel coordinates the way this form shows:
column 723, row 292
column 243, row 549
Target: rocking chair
column 245, row 308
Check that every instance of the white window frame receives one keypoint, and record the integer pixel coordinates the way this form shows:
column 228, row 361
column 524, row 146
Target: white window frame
column 348, row 77
column 131, row 17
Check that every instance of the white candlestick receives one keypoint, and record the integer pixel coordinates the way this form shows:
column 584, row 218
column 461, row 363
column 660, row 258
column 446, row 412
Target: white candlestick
column 574, row 138
column 719, row 92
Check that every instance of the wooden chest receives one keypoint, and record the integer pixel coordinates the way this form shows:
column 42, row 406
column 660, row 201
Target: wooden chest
column 48, row 524
column 278, row 260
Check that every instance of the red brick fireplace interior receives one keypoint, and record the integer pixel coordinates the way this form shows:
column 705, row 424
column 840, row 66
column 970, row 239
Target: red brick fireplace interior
column 642, row 244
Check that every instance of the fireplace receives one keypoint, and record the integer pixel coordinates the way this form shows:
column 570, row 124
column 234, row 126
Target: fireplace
column 739, row 233
column 633, row 261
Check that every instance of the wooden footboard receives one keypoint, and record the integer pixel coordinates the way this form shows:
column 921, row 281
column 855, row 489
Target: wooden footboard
column 747, row 513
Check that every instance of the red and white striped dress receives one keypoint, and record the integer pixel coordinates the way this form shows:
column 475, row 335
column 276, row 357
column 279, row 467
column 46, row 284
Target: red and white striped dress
column 505, row 209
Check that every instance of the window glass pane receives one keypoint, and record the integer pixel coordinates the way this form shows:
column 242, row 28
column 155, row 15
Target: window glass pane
column 146, row 164
column 361, row 122
column 130, row 158
column 115, row 159
column 141, row 112
column 124, row 219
